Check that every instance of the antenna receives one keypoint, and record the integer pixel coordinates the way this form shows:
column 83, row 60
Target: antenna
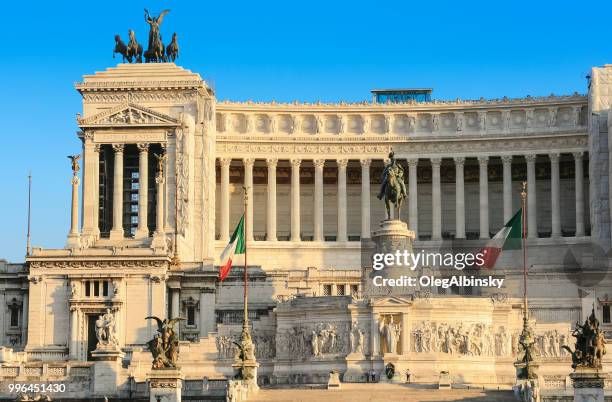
column 28, row 245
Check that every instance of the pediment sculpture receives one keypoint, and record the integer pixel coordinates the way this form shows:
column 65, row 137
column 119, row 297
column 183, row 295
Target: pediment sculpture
column 128, row 114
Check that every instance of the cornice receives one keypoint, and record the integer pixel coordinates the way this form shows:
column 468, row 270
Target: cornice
column 97, row 262
column 367, row 106
column 406, row 146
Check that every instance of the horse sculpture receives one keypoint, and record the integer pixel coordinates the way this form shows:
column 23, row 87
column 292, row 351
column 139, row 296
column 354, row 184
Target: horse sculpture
column 393, row 197
column 172, row 50
column 393, row 188
column 120, row 48
column 134, row 49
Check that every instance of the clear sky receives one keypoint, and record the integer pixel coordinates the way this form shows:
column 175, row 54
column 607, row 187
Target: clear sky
column 283, row 50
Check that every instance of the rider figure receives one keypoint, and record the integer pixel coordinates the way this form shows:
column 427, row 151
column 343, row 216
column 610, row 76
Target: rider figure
column 396, row 169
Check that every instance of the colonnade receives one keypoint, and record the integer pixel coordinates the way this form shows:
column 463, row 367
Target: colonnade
column 413, row 215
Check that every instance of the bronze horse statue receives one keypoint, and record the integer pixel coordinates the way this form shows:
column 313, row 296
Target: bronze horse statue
column 172, row 50
column 120, row 48
column 393, row 195
column 134, row 49
column 156, row 54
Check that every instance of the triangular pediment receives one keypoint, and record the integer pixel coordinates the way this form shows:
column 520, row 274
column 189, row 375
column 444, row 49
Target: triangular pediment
column 391, row 301
column 128, row 114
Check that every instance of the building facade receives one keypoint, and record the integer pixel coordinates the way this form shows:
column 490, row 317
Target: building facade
column 161, row 190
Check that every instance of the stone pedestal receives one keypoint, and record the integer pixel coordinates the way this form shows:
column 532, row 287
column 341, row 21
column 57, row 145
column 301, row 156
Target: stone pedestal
column 588, row 385
column 392, row 236
column 334, row 380
column 107, row 369
column 248, row 368
column 165, row 385
column 357, row 368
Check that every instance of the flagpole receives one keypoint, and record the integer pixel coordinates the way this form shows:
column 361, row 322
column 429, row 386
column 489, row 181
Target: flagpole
column 245, row 320
column 28, row 244
column 526, row 365
column 524, row 235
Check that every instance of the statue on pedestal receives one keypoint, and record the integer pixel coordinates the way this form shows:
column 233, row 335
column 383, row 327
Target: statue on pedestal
column 392, row 187
column 155, row 51
column 164, row 345
column 105, row 330
column 590, row 345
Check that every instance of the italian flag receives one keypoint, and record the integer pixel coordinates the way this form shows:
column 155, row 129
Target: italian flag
column 508, row 238
column 236, row 246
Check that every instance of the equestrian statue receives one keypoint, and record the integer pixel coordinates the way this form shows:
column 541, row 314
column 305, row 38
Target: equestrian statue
column 393, row 188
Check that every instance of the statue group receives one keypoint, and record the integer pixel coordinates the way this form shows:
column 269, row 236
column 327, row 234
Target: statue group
column 590, row 344
column 156, row 52
column 165, row 344
column 105, row 330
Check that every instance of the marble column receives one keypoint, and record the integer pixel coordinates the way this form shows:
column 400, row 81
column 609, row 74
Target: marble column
column 74, row 331
column 89, row 191
column 342, row 196
column 224, row 228
column 116, row 232
column 248, row 183
column 436, row 201
column 365, row 198
column 159, row 237
column 96, row 188
column 295, row 200
column 24, row 317
column 374, row 336
column 413, row 211
column 318, row 200
column 271, row 204
column 507, row 186
column 579, row 181
column 74, row 239
column 405, row 334
column 483, row 162
column 555, row 195
column 142, row 232
column 532, row 217
column 459, row 197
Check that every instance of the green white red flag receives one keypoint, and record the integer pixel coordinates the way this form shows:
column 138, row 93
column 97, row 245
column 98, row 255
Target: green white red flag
column 508, row 238
column 235, row 246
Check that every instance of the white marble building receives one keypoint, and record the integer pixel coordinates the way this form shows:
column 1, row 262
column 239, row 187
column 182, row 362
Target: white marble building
column 312, row 171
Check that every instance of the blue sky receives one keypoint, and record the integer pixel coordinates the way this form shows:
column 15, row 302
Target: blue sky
column 282, row 50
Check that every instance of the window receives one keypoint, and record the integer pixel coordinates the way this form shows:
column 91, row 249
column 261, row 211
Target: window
column 606, row 314
column 327, row 290
column 105, row 288
column 354, row 290
column 190, row 316
column 87, row 288
column 340, row 290
column 96, row 288
column 14, row 316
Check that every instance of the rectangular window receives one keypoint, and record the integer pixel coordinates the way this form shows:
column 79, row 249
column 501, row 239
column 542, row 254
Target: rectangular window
column 354, row 290
column 606, row 314
column 340, row 290
column 105, row 288
column 87, row 288
column 327, row 290
column 190, row 316
column 14, row 317
column 96, row 288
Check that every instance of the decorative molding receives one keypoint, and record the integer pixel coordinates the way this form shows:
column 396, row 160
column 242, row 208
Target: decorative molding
column 97, row 264
column 128, row 114
column 403, row 148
